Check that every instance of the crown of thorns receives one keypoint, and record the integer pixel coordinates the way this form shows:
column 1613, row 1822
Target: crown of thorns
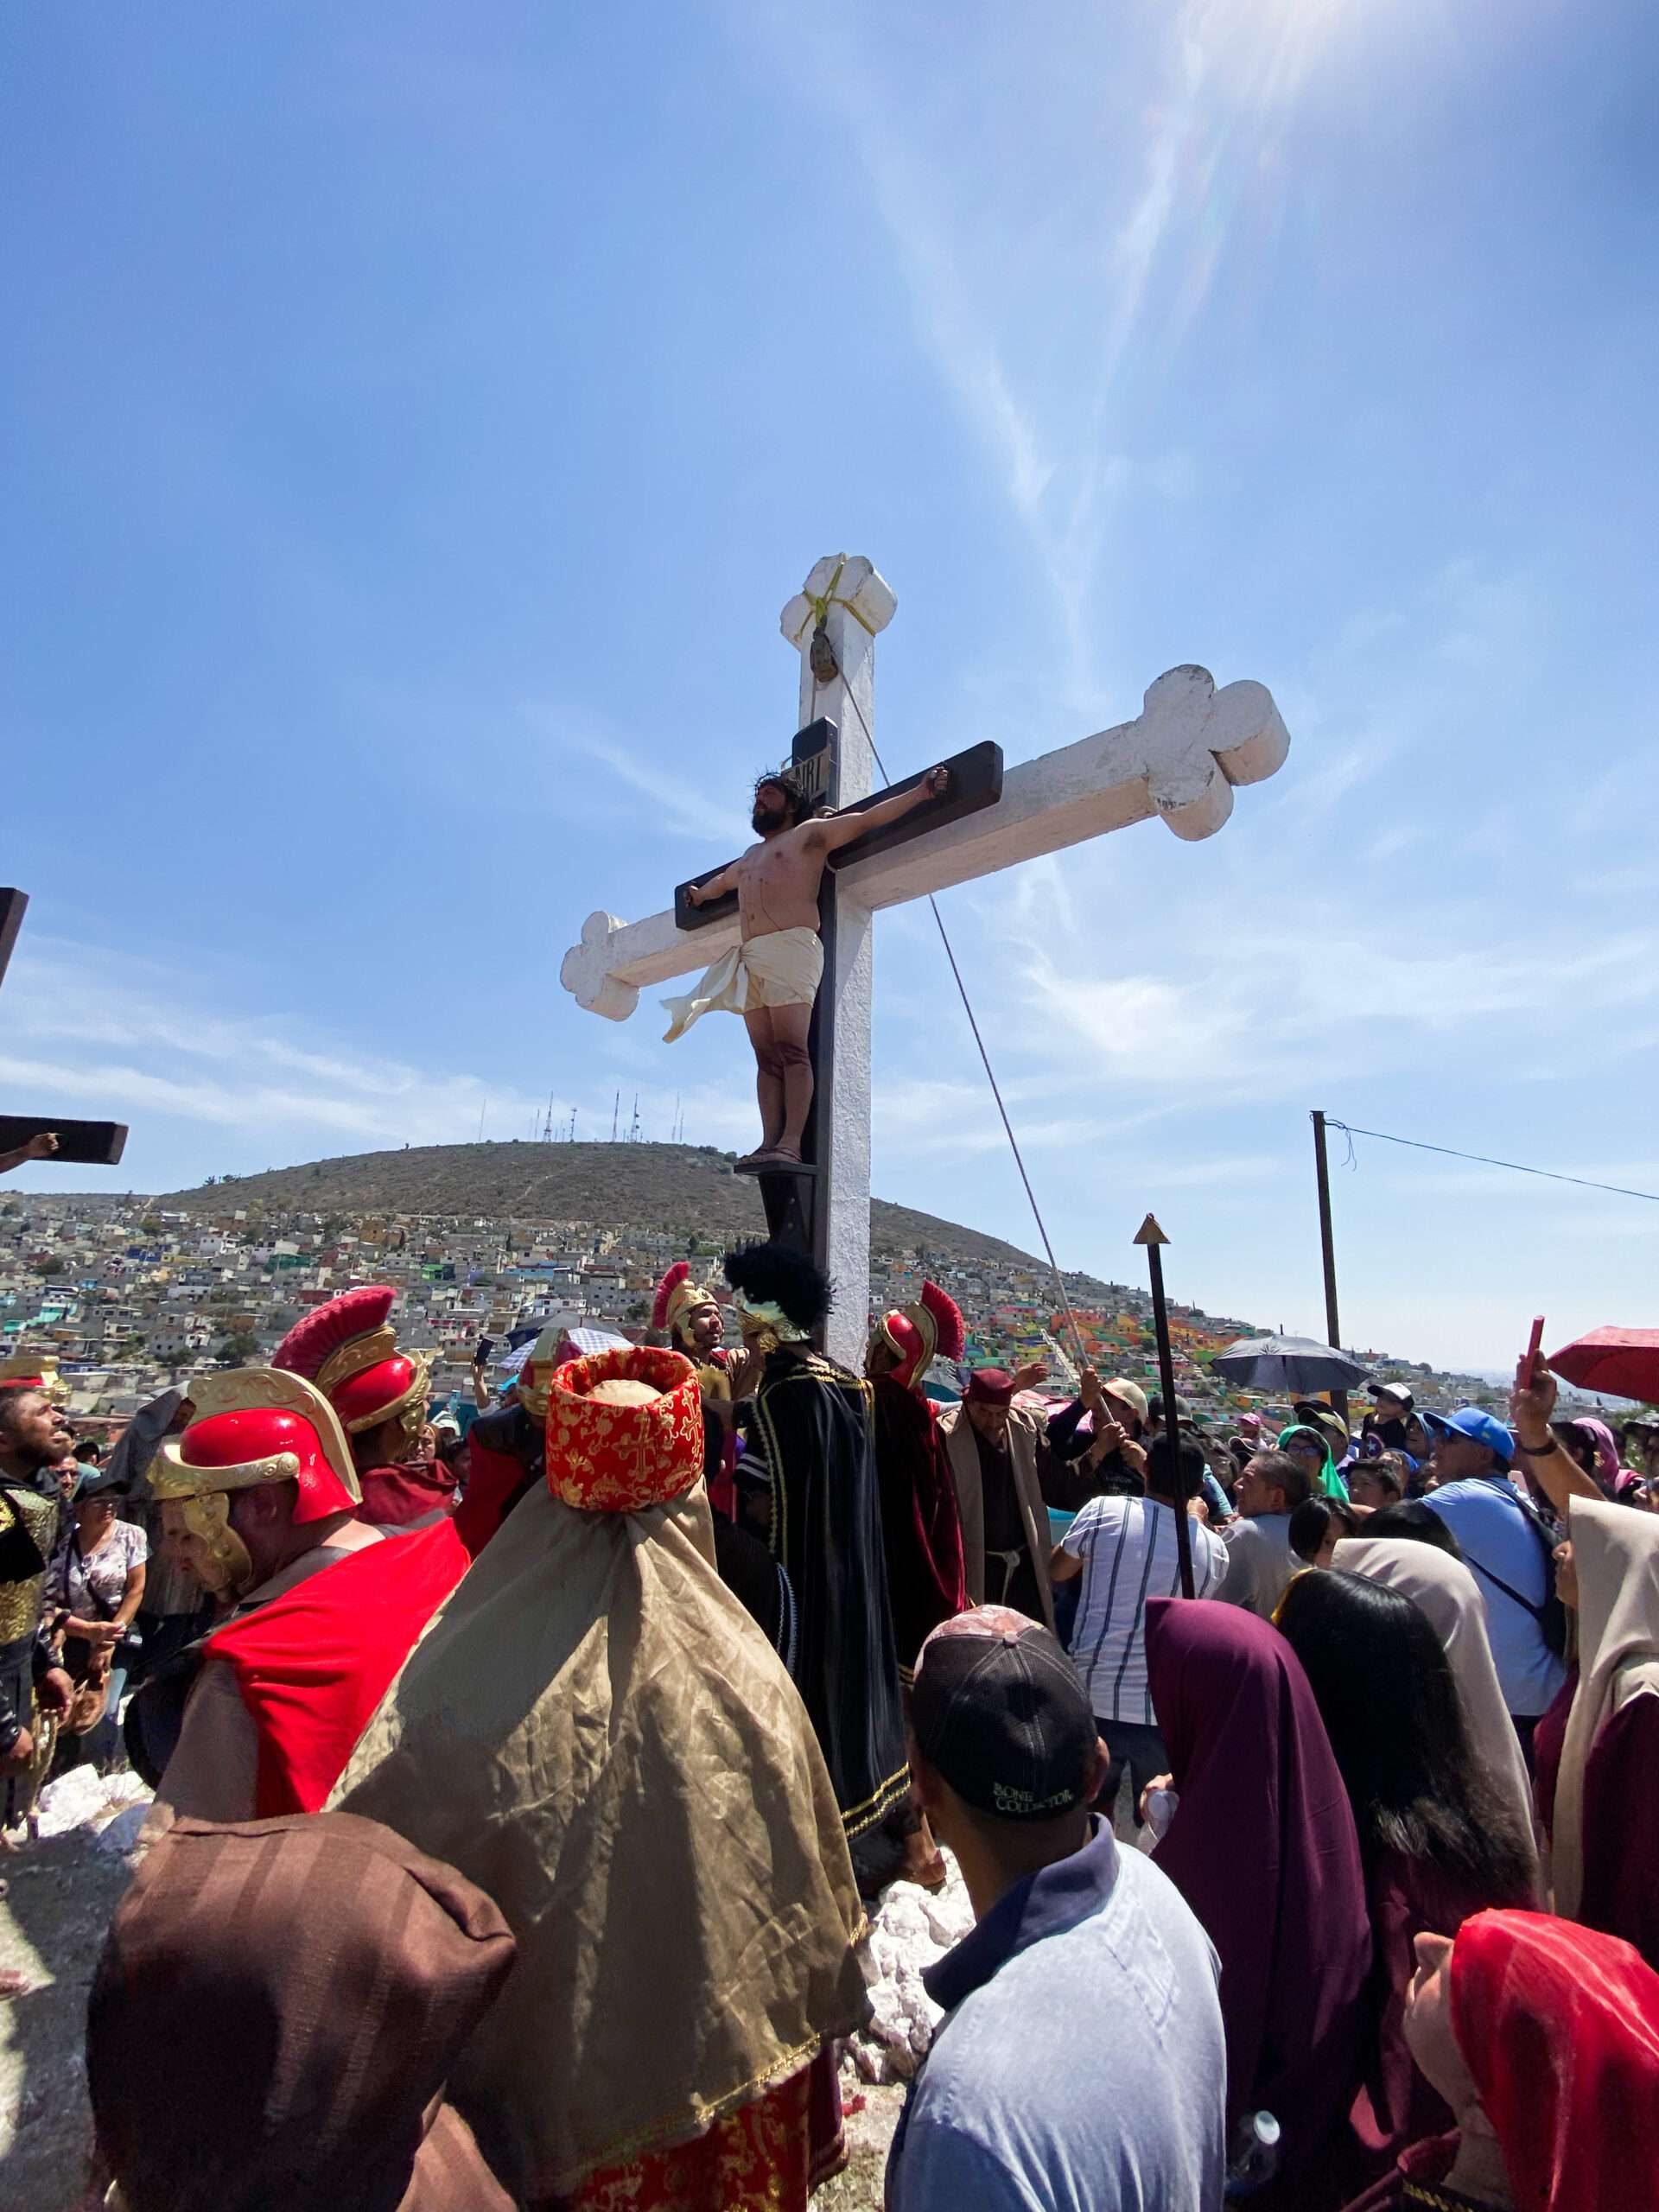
column 790, row 784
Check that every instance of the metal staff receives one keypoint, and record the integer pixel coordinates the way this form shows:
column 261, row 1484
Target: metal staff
column 1153, row 1237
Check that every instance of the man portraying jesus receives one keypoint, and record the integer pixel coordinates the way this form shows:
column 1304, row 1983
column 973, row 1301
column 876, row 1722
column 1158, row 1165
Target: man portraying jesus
column 771, row 978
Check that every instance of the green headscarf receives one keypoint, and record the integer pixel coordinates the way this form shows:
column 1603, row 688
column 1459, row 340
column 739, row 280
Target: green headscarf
column 1331, row 1482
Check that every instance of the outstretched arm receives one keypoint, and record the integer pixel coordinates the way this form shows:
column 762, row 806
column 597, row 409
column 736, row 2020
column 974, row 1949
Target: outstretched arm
column 838, row 829
column 716, row 888
column 39, row 1147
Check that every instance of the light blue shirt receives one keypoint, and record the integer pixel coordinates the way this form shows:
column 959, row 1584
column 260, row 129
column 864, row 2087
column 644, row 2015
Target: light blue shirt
column 1487, row 1519
column 1081, row 2066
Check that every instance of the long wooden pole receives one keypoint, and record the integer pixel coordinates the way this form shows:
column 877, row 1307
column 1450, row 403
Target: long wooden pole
column 1153, row 1238
column 1328, row 1253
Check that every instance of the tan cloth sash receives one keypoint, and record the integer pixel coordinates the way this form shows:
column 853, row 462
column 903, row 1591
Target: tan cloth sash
column 596, row 1733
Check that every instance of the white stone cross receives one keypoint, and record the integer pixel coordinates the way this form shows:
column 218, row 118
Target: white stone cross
column 1179, row 758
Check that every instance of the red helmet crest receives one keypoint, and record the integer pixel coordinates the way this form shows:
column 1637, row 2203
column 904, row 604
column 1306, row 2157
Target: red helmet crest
column 349, row 1349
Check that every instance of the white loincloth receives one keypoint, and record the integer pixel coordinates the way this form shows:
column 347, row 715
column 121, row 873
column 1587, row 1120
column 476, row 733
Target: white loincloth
column 784, row 967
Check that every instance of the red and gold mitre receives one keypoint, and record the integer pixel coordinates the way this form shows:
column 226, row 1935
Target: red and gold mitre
column 34, row 1370
column 349, row 1349
column 930, row 1329
column 255, row 1425
column 678, row 1297
column 610, row 1456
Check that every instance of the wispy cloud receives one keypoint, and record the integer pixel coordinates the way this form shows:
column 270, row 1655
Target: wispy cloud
column 676, row 806
column 136, row 1042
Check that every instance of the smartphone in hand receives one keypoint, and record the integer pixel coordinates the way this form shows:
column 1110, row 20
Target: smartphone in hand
column 1529, row 1372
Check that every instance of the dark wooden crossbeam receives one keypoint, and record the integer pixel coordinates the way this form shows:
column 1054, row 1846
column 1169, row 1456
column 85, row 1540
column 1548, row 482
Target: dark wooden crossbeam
column 86, row 1144
column 975, row 784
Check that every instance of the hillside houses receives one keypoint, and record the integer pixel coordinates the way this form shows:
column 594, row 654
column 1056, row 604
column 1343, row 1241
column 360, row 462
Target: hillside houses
column 132, row 1297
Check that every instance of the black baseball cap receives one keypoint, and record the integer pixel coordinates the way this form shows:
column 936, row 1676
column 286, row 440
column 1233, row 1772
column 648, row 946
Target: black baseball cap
column 1001, row 1713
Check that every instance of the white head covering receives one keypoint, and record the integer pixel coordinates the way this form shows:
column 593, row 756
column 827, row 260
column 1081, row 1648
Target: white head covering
column 1451, row 1596
column 1616, row 1556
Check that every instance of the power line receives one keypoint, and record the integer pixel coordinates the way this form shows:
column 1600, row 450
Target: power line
column 1584, row 1182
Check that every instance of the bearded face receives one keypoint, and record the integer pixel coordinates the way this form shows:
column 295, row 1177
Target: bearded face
column 771, row 810
column 198, row 1536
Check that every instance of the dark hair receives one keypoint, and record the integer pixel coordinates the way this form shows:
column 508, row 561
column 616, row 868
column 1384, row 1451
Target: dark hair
column 773, row 1275
column 1409, row 1516
column 1310, row 1525
column 88, row 1449
column 1578, row 1444
column 792, row 789
column 11, row 1397
column 1386, row 1692
column 1391, row 1465
column 1189, row 1470
column 1281, row 1472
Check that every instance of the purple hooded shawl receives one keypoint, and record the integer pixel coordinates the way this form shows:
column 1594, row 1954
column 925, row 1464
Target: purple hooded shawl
column 1263, row 1848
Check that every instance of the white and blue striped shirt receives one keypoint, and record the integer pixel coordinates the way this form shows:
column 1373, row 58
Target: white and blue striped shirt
column 1128, row 1548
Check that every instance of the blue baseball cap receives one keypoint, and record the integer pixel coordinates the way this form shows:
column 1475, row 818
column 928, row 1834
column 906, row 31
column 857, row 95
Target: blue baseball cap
column 1479, row 1428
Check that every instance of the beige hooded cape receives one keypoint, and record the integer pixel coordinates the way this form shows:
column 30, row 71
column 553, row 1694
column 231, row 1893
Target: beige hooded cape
column 1451, row 1596
column 596, row 1733
column 1616, row 1554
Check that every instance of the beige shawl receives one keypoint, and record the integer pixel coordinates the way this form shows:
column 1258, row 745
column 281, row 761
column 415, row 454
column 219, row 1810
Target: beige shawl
column 963, row 1453
column 596, row 1733
column 1616, row 1556
column 1451, row 1596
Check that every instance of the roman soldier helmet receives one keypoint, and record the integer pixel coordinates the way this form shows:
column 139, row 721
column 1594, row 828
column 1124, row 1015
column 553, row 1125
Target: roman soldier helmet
column 677, row 1297
column 557, row 1345
column 349, row 1349
column 624, row 1429
column 34, row 1370
column 255, row 1425
column 930, row 1329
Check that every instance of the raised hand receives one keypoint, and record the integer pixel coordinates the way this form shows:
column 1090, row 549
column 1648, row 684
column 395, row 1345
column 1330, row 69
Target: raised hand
column 1532, row 1407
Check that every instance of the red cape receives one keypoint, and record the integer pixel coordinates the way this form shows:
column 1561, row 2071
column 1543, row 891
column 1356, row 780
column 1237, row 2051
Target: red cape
column 313, row 1664
column 393, row 1496
column 921, row 1526
column 492, row 1478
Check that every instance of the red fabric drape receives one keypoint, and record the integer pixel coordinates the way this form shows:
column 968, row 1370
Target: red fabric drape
column 313, row 1665
column 491, row 1479
column 1559, row 2027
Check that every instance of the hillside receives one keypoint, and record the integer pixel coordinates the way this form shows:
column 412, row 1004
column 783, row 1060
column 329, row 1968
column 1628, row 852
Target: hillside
column 685, row 1188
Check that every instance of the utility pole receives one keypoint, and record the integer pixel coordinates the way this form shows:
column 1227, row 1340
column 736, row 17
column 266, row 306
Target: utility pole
column 1328, row 1253
column 616, row 1109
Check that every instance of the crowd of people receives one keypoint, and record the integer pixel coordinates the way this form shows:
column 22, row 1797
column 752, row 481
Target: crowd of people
column 529, row 1780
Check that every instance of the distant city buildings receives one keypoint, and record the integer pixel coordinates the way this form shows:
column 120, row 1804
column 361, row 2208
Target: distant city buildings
column 132, row 1298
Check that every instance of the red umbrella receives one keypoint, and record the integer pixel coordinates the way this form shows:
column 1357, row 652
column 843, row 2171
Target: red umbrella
column 1624, row 1362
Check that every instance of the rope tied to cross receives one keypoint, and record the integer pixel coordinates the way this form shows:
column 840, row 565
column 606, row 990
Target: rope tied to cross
column 825, row 669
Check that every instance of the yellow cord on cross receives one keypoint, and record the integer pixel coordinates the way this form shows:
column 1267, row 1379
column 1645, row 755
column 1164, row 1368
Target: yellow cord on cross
column 820, row 606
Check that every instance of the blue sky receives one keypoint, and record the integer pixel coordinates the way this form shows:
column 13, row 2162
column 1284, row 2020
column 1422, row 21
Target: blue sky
column 417, row 416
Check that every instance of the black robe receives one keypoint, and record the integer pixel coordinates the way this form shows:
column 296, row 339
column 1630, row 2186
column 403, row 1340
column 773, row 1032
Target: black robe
column 31, row 1516
column 811, row 1446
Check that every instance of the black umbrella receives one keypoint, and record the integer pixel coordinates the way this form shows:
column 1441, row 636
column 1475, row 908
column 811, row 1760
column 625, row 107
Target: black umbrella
column 1290, row 1363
